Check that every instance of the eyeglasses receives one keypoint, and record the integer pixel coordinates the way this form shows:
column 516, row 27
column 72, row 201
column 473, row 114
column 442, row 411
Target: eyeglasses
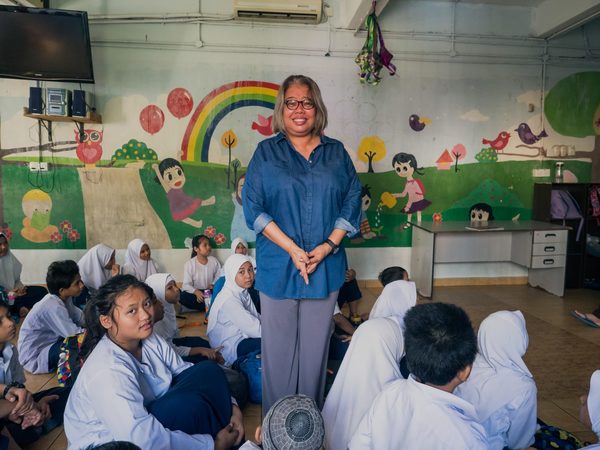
column 292, row 104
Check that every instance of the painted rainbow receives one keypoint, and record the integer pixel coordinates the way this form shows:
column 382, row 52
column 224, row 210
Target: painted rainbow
column 215, row 106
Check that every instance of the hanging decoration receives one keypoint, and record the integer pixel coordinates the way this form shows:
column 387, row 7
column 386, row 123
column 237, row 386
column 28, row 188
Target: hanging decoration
column 373, row 56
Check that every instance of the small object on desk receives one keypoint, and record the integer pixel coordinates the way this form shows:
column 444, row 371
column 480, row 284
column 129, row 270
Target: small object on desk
column 437, row 217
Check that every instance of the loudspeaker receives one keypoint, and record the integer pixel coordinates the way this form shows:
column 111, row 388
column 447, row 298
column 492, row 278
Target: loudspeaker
column 36, row 104
column 79, row 103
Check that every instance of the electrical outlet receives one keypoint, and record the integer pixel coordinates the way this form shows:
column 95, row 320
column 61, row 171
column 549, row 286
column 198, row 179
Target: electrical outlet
column 34, row 166
column 43, row 167
column 541, row 173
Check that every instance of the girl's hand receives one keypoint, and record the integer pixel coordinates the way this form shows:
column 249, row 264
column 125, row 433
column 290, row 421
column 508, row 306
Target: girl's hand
column 214, row 354
column 237, row 421
column 33, row 418
column 199, row 296
column 318, row 254
column 301, row 260
column 22, row 398
column 226, row 438
column 350, row 275
column 44, row 406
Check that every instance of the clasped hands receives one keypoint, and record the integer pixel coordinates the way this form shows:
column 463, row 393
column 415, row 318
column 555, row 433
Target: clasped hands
column 307, row 262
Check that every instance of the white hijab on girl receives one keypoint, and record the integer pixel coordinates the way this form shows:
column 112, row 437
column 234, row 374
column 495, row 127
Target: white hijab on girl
column 92, row 266
column 372, row 360
column 135, row 265
column 167, row 327
column 236, row 242
column 10, row 270
column 395, row 300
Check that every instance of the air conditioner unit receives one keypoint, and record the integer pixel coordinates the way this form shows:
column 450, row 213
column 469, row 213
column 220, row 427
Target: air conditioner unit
column 301, row 11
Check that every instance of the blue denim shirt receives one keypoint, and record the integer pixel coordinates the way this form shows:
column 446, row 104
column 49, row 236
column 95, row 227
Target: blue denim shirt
column 307, row 199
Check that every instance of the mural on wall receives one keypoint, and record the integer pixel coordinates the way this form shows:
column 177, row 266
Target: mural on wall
column 167, row 193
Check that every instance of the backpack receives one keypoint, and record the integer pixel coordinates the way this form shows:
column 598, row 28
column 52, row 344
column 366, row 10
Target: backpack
column 251, row 366
column 69, row 362
column 548, row 437
column 564, row 206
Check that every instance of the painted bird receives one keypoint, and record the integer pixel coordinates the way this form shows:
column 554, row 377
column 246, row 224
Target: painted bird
column 418, row 123
column 263, row 126
column 527, row 136
column 499, row 143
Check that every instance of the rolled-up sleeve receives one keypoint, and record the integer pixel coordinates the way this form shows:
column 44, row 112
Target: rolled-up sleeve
column 253, row 198
column 349, row 218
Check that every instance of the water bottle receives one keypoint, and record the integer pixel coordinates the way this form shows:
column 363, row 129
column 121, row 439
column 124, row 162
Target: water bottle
column 207, row 297
column 11, row 298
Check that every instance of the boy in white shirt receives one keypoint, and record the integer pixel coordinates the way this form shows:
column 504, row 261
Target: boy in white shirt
column 423, row 412
column 51, row 319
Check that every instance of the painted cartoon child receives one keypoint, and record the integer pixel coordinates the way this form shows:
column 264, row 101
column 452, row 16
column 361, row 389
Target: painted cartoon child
column 481, row 212
column 238, row 222
column 365, row 227
column 405, row 166
column 169, row 173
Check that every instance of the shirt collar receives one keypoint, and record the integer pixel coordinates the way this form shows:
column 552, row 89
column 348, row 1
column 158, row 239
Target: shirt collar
column 324, row 139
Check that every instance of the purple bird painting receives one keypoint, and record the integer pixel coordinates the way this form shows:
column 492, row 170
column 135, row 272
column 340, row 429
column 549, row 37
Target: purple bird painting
column 527, row 136
column 418, row 123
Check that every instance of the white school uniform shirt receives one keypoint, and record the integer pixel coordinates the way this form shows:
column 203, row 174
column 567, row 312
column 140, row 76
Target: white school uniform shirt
column 412, row 415
column 501, row 387
column 92, row 266
column 395, row 300
column 49, row 319
column 107, row 402
column 372, row 361
column 10, row 368
column 593, row 404
column 234, row 317
column 167, row 327
column 200, row 276
column 136, row 266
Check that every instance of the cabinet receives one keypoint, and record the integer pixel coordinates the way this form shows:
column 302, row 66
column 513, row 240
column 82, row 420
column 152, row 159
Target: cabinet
column 583, row 251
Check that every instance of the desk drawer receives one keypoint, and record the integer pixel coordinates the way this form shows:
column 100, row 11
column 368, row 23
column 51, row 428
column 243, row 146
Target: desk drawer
column 544, row 262
column 550, row 236
column 549, row 248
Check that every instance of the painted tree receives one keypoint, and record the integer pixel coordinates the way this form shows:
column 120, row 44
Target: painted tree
column 458, row 152
column 229, row 140
column 235, row 165
column 572, row 107
column 371, row 148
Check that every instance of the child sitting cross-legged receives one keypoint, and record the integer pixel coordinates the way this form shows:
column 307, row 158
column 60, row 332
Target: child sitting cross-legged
column 134, row 387
column 422, row 411
column 51, row 319
column 26, row 416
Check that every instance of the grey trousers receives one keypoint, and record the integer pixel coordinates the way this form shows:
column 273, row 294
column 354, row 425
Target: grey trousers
column 295, row 341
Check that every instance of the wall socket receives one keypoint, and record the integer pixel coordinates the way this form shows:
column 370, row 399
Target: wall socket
column 36, row 166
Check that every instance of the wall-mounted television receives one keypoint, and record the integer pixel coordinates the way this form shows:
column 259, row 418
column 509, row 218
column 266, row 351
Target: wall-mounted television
column 45, row 44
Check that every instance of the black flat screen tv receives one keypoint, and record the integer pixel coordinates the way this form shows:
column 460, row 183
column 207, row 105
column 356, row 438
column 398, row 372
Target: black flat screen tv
column 45, row 44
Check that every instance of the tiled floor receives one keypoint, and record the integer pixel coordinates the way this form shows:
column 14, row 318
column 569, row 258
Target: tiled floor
column 562, row 352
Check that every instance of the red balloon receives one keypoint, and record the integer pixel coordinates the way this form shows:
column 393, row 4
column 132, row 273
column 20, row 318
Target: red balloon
column 152, row 119
column 180, row 102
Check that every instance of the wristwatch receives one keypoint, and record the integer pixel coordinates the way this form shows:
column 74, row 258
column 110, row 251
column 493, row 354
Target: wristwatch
column 333, row 245
column 11, row 385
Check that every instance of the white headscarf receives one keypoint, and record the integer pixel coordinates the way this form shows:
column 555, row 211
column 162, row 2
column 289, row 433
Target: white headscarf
column 231, row 289
column 140, row 269
column 167, row 327
column 372, row 360
column 593, row 402
column 239, row 240
column 395, row 300
column 10, row 270
column 91, row 266
column 503, row 340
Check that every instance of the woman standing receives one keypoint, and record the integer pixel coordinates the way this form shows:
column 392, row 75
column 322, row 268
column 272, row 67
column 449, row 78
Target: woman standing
column 301, row 197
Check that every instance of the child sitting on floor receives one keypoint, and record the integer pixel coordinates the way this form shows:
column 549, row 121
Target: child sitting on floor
column 234, row 322
column 199, row 273
column 96, row 267
column 51, row 319
column 423, row 412
column 134, row 387
column 589, row 413
column 138, row 260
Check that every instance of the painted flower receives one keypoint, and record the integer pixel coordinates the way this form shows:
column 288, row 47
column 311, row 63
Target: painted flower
column 210, row 231
column 56, row 237
column 65, row 226
column 220, row 239
column 437, row 217
column 73, row 235
column 7, row 232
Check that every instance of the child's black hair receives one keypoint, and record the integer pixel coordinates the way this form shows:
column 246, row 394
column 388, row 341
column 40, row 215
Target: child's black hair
column 482, row 207
column 196, row 242
column 439, row 341
column 403, row 158
column 61, row 275
column 116, row 445
column 389, row 274
column 365, row 190
column 103, row 303
column 165, row 164
column 3, row 304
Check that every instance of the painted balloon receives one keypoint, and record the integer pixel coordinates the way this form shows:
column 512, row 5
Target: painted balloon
column 180, row 102
column 152, row 119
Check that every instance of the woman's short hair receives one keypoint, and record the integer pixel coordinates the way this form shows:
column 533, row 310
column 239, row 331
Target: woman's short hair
column 315, row 95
